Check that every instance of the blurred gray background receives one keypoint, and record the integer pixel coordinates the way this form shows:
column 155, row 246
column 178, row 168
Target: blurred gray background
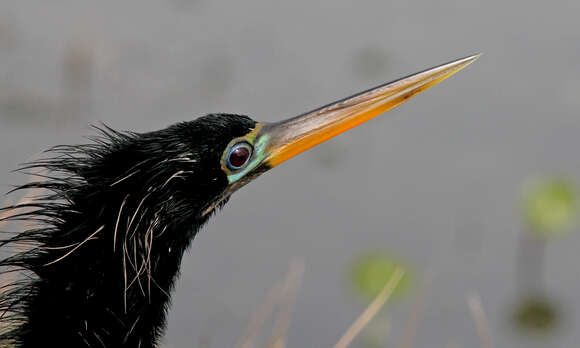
column 435, row 182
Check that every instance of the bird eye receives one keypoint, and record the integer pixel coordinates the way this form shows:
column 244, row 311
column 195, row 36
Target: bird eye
column 239, row 155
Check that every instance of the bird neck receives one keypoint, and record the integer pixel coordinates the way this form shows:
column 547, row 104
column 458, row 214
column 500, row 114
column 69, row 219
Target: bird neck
column 104, row 271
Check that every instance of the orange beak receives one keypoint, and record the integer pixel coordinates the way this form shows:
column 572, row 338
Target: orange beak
column 286, row 139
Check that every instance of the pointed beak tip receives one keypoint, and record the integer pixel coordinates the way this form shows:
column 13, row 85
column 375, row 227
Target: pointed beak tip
column 470, row 59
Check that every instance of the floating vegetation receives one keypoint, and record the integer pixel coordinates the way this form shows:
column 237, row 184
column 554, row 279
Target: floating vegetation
column 536, row 314
column 371, row 271
column 550, row 206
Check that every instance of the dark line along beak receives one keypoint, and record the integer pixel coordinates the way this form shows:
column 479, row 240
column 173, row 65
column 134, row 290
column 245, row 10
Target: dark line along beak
column 291, row 137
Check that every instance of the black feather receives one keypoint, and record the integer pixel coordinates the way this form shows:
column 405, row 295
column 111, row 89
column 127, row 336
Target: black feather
column 106, row 239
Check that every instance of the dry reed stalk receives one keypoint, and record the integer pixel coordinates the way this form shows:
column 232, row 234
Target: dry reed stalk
column 371, row 310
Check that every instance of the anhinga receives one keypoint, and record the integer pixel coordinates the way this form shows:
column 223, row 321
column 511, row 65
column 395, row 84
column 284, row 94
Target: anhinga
column 98, row 266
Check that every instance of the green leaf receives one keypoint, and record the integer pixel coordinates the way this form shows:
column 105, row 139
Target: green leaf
column 371, row 272
column 550, row 205
column 536, row 314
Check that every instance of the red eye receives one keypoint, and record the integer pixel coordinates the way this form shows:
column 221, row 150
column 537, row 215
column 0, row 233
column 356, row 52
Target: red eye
column 239, row 155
